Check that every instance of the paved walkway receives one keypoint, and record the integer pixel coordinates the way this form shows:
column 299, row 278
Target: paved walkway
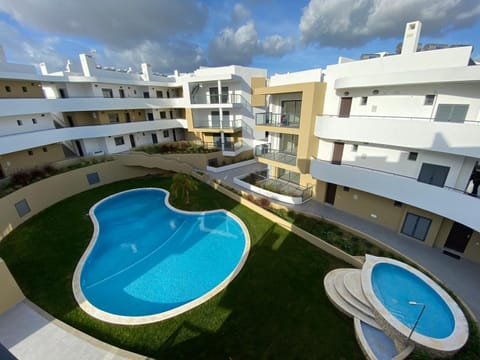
column 31, row 334
column 462, row 276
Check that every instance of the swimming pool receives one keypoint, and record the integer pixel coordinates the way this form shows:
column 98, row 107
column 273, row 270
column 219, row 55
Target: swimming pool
column 398, row 292
column 148, row 261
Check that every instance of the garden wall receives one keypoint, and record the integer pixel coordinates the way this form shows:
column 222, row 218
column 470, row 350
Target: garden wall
column 28, row 201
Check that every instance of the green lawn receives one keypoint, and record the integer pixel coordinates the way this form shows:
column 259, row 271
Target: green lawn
column 275, row 308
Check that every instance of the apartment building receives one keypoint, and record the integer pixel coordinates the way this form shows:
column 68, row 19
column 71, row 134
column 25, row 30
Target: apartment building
column 290, row 104
column 398, row 143
column 89, row 110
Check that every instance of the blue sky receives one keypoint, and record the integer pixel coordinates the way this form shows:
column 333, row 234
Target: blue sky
column 281, row 36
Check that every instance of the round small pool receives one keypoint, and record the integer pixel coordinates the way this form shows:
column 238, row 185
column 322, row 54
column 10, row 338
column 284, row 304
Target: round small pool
column 401, row 295
column 148, row 261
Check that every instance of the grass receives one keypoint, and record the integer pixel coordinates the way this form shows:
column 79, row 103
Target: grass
column 276, row 308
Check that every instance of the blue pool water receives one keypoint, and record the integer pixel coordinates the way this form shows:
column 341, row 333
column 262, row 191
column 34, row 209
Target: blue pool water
column 395, row 286
column 149, row 258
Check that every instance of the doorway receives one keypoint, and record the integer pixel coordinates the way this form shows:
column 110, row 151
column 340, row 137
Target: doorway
column 458, row 237
column 154, row 139
column 337, row 153
column 132, row 140
column 330, row 193
column 345, row 106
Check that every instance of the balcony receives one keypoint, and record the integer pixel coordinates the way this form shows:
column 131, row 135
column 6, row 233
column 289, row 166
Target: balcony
column 12, row 107
column 277, row 120
column 449, row 202
column 405, row 132
column 22, row 141
column 265, row 151
column 226, row 99
column 218, row 124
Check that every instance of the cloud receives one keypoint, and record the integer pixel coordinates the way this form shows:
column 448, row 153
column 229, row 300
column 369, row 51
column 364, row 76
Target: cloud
column 114, row 22
column 164, row 57
column 239, row 13
column 346, row 23
column 241, row 45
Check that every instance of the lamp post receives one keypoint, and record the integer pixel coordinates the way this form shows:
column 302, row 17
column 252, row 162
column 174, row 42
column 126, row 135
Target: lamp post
column 418, row 318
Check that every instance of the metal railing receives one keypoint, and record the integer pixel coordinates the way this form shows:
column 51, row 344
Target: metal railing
column 278, row 185
column 380, row 117
column 219, row 99
column 218, row 145
column 217, row 124
column 278, row 120
column 266, row 151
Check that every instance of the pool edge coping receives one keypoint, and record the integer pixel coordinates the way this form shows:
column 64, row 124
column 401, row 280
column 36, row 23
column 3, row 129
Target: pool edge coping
column 454, row 342
column 102, row 315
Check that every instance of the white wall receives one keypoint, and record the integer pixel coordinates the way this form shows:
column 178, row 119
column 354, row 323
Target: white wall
column 9, row 125
column 313, row 75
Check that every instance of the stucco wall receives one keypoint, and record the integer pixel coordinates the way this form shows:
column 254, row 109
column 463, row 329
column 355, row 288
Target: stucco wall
column 45, row 193
column 11, row 293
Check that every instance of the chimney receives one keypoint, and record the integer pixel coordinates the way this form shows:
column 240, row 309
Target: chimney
column 411, row 37
column 43, row 69
column 146, row 71
column 89, row 67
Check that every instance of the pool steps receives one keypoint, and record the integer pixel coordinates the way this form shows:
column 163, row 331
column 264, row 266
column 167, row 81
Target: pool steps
column 343, row 288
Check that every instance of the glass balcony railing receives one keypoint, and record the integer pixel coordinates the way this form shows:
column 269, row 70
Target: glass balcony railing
column 217, row 124
column 219, row 99
column 277, row 120
column 265, row 151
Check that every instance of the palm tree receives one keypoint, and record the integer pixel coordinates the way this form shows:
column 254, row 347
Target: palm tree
column 183, row 184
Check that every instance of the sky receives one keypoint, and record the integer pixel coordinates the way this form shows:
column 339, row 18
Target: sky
column 281, row 36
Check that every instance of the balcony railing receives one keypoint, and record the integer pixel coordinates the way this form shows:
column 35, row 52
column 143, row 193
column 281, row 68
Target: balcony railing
column 278, row 185
column 278, row 120
column 218, row 145
column 266, row 151
column 219, row 99
column 217, row 124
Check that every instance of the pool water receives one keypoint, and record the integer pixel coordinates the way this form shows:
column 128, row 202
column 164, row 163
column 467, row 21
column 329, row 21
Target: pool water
column 395, row 287
column 149, row 258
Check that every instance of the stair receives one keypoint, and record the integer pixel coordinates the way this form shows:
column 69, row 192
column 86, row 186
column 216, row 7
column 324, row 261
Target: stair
column 353, row 283
column 336, row 296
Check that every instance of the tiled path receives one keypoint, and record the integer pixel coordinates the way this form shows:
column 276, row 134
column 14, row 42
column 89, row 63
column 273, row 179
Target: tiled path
column 462, row 276
column 30, row 334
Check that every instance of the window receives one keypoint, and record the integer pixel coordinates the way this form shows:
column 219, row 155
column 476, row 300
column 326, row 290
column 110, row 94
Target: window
column 127, row 117
column 171, row 114
column 150, row 116
column 291, row 110
column 451, row 112
column 113, row 118
column 397, row 204
column 166, row 133
column 354, row 147
column 416, row 226
column 163, row 115
column 30, row 152
column 412, row 156
column 34, row 121
column 119, row 141
column 363, row 100
column 24, row 89
column 8, row 88
column 135, row 92
column 346, row 188
column 122, row 93
column 93, row 178
column 45, row 149
column 429, row 99
column 159, row 94
column 146, row 95
column 22, row 208
column 107, row 93
column 19, row 122
column 433, row 174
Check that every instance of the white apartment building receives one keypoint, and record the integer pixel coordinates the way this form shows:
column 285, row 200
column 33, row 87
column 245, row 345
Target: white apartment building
column 399, row 143
column 89, row 110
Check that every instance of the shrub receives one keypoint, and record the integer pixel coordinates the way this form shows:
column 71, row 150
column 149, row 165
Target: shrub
column 263, row 202
column 49, row 170
column 21, row 178
column 37, row 173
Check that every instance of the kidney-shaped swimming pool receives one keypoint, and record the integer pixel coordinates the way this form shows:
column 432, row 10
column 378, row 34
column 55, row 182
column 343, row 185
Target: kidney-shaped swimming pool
column 148, row 261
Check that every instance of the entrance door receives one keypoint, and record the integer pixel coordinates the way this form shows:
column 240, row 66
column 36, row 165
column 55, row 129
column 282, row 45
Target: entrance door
column 330, row 194
column 154, row 139
column 458, row 238
column 345, row 107
column 79, row 147
column 132, row 140
column 337, row 153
